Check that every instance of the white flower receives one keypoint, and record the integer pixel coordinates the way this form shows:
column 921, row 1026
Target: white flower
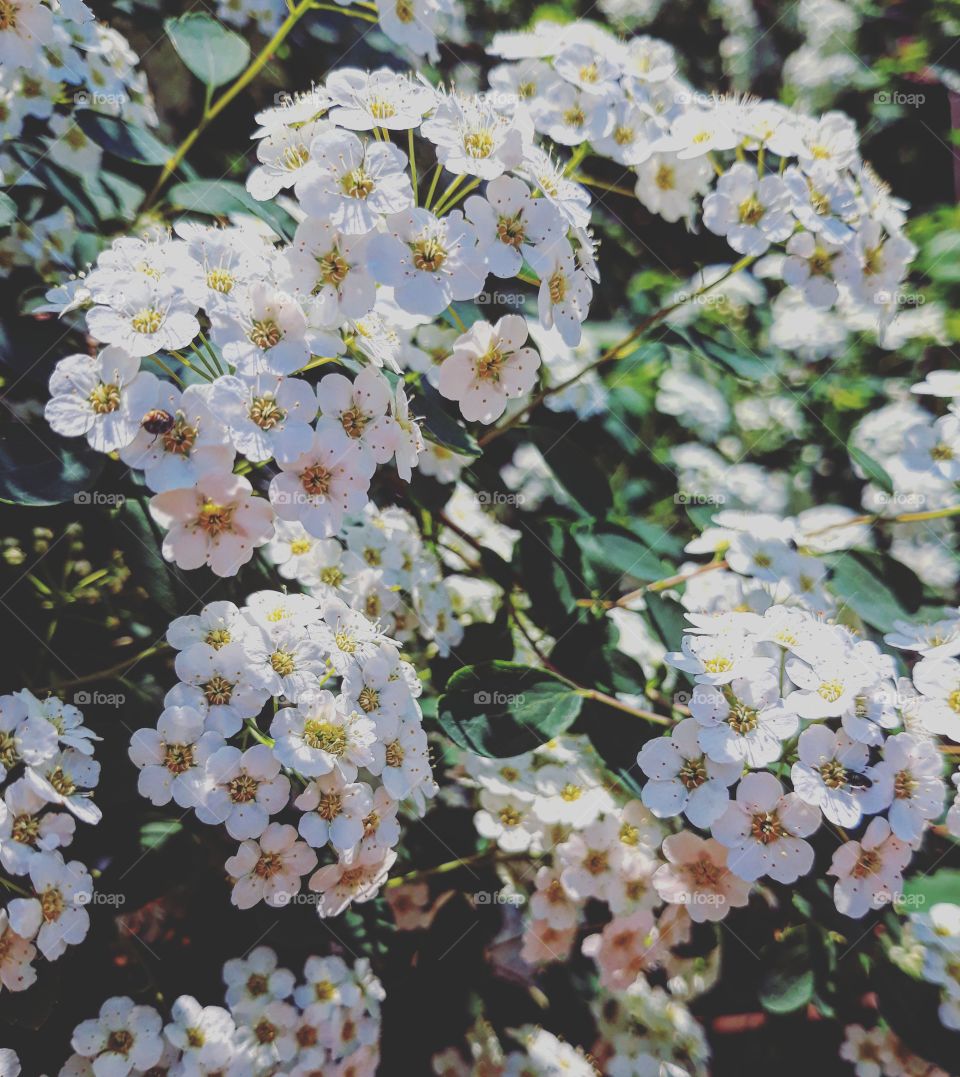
column 218, row 682
column 24, row 738
column 67, row 779
column 360, row 409
column 267, row 415
column 56, row 917
column 352, row 185
column 667, row 184
column 328, row 269
column 830, row 141
column 695, row 133
column 217, row 523
column 334, row 812
column 939, row 639
column 565, row 290
column 262, row 331
column 808, row 266
column 569, row 795
column 381, row 830
column 934, row 449
column 764, row 830
column 870, row 871
column 204, row 1034
column 402, row 764
column 591, row 860
column 254, row 981
column 873, row 263
column 570, row 116
column 508, row 820
column 340, row 884
column 832, row 775
column 179, row 439
column 428, row 262
column 362, row 100
column 270, row 868
column 587, row 67
column 317, row 737
column 409, row 443
column 938, row 680
column 510, row 222
column 103, row 399
column 167, row 754
column 752, row 212
column 683, row 779
column 16, row 954
column 241, row 790
column 145, row 318
column 822, row 202
column 324, row 484
column 27, row 27
column 473, row 138
column 744, row 722
column 286, row 660
column 122, row 1039
column 570, row 199
column 284, row 153
column 411, row 23
column 26, row 829
column 488, row 366
column 908, row 778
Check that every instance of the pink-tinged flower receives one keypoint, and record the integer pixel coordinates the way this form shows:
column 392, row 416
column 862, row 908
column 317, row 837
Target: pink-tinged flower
column 103, row 399
column 908, row 778
column 696, row 876
column 411, row 906
column 627, row 946
column 123, row 1038
column 543, row 943
column 16, row 954
column 359, row 408
column 870, row 871
column 270, row 869
column 551, row 902
column 217, row 523
column 341, row 884
column 489, row 366
column 764, row 831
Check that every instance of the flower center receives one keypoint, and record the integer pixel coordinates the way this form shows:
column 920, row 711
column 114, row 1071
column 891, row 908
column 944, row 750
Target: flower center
column 382, row 109
column 195, row 1037
column 331, row 576
column 370, row 824
column 830, row 691
column 25, row 829
column 394, row 754
column 557, row 286
column 265, row 412
column 265, row 1031
column 178, row 758
column 219, row 280
column 215, row 519
column 8, row 15
column 180, row 438
column 295, row 157
column 429, row 254
column 720, row 664
column 751, row 210
column 300, row 546
column 510, row 816
column 941, row 452
column 404, row 11
column 217, row 638
column 488, row 365
column 324, row 990
column 9, row 757
column 62, row 782
column 283, row 663
column 511, row 230
column 629, row 834
column 571, row 793
column 767, row 828
column 358, row 183
column 703, row 872
column 953, row 700
column 316, row 480
column 243, row 788
column 693, row 773
column 834, row 774
column 325, row 737
column 665, row 178
column 268, row 865
column 119, row 1042
column 575, row 117
column 265, row 333
column 218, row 691
column 742, row 719
column 105, row 398
column 333, row 267
column 345, row 642
column 354, row 421
column 867, row 863
column 330, row 806
column 904, row 785
column 147, row 321
column 596, row 861
column 479, row 144
column 51, row 904
column 623, row 136
column 257, row 985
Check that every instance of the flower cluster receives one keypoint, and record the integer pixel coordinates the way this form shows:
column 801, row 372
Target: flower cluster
column 329, row 1022
column 347, row 759
column 382, row 567
column 938, row 934
column 56, row 62
column 795, row 722
column 540, row 1054
column 367, row 272
column 47, row 777
column 797, row 190
column 879, row 1052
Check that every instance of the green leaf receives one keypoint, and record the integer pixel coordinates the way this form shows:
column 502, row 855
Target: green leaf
column 874, row 471
column 437, row 422
column 622, row 553
column 875, row 587
column 63, row 185
column 123, row 140
column 154, row 835
column 221, row 198
column 141, row 541
column 212, row 52
column 8, row 210
column 552, row 571
column 502, row 708
column 788, row 982
column 922, row 891
column 40, row 468
column 574, row 467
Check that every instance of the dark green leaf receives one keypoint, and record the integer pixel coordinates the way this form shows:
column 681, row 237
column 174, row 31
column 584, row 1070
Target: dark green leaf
column 39, row 468
column 212, row 52
column 221, row 198
column 875, row 587
column 8, row 210
column 788, row 980
column 874, row 472
column 123, row 140
column 437, row 422
column 574, row 467
column 502, row 708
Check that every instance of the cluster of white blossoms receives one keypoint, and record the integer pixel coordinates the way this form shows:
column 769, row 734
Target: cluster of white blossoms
column 54, row 55
column 328, row 1022
column 796, row 191
column 47, row 778
column 367, row 272
column 879, row 1052
column 568, row 835
column 417, row 25
column 381, row 567
column 345, row 750
column 796, row 722
column 930, row 945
